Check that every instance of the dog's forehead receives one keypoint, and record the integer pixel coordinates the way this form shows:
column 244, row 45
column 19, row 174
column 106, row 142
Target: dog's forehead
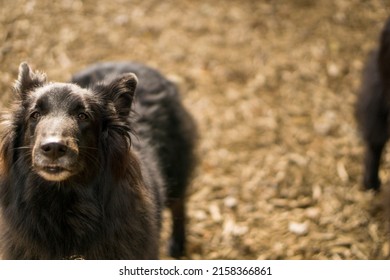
column 62, row 90
column 61, row 95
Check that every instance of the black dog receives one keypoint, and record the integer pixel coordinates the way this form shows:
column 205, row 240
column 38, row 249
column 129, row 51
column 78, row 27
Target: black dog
column 373, row 108
column 75, row 182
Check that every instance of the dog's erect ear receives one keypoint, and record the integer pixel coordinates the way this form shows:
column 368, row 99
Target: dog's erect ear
column 122, row 93
column 28, row 80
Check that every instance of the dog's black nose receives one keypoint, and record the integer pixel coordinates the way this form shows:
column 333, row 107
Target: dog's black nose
column 54, row 150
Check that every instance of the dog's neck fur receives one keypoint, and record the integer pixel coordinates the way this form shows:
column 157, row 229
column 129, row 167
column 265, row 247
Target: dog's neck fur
column 64, row 214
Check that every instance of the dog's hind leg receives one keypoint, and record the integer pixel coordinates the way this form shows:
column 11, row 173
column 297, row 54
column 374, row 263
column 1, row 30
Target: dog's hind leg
column 178, row 238
column 371, row 165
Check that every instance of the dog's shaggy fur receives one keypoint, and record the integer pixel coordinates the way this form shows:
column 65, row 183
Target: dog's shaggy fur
column 373, row 108
column 81, row 177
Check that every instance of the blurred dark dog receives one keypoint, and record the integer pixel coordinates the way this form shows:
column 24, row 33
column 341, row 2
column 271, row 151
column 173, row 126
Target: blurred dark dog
column 80, row 178
column 373, row 108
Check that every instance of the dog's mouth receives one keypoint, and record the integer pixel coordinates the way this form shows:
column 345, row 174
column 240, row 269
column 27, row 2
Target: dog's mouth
column 55, row 169
column 54, row 172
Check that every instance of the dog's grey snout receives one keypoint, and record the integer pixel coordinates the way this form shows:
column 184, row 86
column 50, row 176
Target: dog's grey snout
column 54, row 149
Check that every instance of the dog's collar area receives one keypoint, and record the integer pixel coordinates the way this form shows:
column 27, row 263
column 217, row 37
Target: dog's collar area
column 75, row 257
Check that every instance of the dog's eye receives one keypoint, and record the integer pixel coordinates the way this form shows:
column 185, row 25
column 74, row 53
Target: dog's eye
column 35, row 115
column 82, row 116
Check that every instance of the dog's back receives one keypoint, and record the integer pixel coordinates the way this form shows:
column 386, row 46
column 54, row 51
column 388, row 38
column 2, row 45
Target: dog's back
column 164, row 126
